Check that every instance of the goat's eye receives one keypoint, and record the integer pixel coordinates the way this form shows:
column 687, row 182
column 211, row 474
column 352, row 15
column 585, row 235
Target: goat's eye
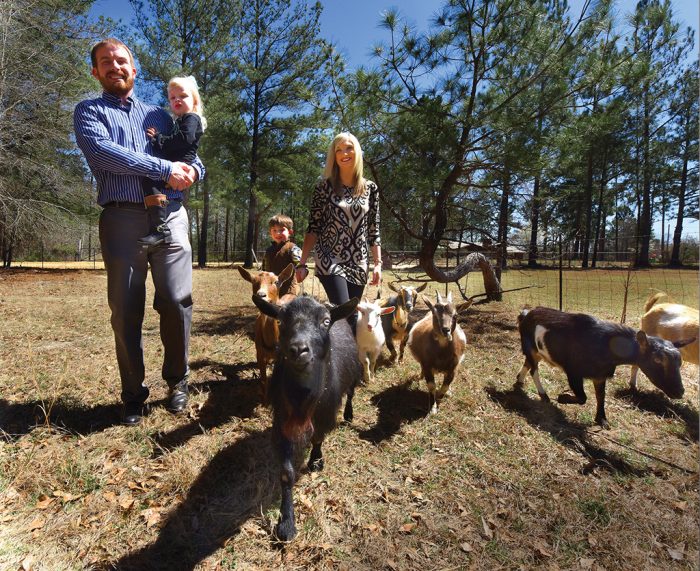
column 326, row 322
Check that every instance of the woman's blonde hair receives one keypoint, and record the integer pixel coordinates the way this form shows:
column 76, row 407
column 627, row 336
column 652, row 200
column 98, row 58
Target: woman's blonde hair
column 189, row 83
column 331, row 172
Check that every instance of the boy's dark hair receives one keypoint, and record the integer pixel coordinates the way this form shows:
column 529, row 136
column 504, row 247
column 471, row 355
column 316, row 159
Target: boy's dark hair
column 281, row 220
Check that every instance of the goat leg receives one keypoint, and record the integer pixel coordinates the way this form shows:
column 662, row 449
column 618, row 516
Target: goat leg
column 445, row 387
column 633, row 378
column 285, row 530
column 430, row 380
column 600, row 418
column 402, row 347
column 348, row 413
column 579, row 396
column 392, row 349
column 316, row 458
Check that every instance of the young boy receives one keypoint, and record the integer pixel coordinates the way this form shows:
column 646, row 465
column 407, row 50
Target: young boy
column 282, row 251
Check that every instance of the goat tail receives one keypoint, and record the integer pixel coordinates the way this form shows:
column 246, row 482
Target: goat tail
column 522, row 315
column 654, row 298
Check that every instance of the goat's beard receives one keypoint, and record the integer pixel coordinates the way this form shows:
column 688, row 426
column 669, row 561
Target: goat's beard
column 296, row 429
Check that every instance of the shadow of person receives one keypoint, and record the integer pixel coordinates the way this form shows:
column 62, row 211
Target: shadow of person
column 225, row 322
column 549, row 417
column 226, row 399
column 660, row 405
column 240, row 482
column 19, row 418
column 396, row 406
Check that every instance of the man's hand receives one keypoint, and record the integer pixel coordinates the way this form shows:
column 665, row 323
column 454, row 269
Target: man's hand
column 151, row 132
column 182, row 177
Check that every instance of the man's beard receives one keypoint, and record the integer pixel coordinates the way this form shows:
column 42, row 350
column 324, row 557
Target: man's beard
column 119, row 91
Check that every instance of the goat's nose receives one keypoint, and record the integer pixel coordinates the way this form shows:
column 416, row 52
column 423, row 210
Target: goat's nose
column 262, row 293
column 298, row 350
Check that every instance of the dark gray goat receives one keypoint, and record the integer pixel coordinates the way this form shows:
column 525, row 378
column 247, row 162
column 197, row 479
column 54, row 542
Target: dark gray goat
column 316, row 365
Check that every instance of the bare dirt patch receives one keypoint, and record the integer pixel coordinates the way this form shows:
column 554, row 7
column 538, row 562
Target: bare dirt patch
column 496, row 480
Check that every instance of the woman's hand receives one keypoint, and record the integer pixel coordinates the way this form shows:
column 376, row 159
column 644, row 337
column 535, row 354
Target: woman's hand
column 301, row 272
column 376, row 275
column 151, row 132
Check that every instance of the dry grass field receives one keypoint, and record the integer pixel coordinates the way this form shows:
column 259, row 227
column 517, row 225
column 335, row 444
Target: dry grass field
column 496, row 480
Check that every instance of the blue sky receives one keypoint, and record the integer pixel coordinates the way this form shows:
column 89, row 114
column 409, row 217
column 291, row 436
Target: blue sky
column 353, row 26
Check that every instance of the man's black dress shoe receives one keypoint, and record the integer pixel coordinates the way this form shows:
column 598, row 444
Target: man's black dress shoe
column 132, row 413
column 179, row 395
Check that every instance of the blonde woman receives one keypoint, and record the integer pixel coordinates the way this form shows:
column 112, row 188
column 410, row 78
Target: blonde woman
column 343, row 225
column 180, row 145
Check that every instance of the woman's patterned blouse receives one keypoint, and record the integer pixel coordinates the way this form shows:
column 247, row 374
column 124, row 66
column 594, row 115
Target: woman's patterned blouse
column 346, row 227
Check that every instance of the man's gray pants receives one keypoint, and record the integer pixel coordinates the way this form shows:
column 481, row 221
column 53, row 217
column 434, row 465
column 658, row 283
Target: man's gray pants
column 127, row 267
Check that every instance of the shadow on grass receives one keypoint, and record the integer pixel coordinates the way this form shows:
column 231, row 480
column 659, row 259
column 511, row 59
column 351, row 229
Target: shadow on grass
column 226, row 399
column 235, row 398
column 240, row 482
column 396, row 406
column 225, row 322
column 548, row 417
column 660, row 405
column 19, row 419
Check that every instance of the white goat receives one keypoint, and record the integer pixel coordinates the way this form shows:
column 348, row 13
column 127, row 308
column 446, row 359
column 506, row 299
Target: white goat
column 370, row 335
column 673, row 322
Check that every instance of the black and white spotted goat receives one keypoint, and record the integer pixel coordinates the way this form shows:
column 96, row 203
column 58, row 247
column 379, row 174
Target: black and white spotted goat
column 585, row 347
column 316, row 366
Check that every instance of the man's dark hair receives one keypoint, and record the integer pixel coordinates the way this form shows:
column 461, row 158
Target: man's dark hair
column 114, row 42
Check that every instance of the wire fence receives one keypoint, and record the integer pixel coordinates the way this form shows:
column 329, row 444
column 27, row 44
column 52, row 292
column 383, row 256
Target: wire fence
column 601, row 291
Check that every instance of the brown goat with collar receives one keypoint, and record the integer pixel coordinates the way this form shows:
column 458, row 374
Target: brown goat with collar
column 266, row 285
column 438, row 344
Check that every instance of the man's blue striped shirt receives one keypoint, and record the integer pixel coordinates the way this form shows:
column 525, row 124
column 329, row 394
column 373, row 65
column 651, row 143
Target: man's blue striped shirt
column 112, row 136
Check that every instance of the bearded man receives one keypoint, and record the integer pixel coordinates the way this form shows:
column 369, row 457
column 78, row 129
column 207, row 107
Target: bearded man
column 111, row 132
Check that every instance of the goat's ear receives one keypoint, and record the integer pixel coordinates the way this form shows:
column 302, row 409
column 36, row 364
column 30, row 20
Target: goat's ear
column 464, row 305
column 269, row 309
column 421, row 288
column 683, row 343
column 287, row 273
column 344, row 310
column 392, row 287
column 387, row 310
column 245, row 274
column 427, row 302
column 642, row 340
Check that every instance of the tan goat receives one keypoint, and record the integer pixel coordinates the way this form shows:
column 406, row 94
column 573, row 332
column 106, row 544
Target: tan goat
column 438, row 344
column 266, row 285
column 673, row 322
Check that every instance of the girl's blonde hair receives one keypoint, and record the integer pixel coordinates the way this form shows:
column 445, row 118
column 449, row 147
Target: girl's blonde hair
column 331, row 172
column 189, row 83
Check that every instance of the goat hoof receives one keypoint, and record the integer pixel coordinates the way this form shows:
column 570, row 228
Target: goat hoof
column 285, row 530
column 565, row 398
column 544, row 397
column 603, row 422
column 316, row 465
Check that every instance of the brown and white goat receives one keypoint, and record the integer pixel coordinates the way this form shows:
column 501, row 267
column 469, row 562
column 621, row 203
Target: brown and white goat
column 670, row 321
column 395, row 326
column 266, row 285
column 438, row 344
column 585, row 347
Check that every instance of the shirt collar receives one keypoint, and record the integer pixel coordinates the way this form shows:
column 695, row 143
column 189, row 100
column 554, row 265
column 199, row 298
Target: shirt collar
column 114, row 100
